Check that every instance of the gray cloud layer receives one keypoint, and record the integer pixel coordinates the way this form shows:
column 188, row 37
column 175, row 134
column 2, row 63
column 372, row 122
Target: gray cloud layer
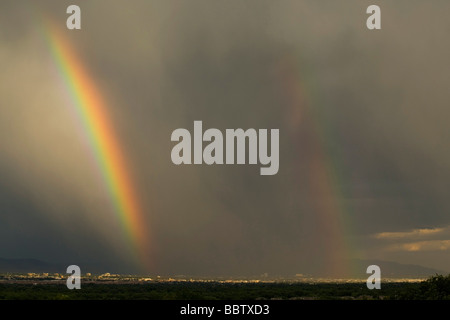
column 369, row 107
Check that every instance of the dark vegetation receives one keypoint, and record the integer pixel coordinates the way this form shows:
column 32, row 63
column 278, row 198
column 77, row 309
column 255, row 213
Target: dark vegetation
column 435, row 288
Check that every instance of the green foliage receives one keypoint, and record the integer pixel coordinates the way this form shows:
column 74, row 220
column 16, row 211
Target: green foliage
column 436, row 287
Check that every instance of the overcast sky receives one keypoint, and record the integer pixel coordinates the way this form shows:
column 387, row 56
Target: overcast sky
column 363, row 119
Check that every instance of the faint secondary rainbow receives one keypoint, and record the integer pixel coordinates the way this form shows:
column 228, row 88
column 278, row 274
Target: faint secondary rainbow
column 325, row 171
column 92, row 114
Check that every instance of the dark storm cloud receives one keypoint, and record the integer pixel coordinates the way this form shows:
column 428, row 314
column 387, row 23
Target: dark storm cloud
column 379, row 98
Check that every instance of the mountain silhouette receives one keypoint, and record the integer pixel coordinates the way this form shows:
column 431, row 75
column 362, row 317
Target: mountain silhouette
column 29, row 265
column 391, row 269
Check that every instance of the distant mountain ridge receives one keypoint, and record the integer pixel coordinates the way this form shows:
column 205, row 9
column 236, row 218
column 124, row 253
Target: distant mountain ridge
column 29, row 265
column 391, row 269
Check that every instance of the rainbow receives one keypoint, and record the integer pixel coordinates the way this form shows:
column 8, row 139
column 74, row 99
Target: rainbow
column 326, row 174
column 92, row 113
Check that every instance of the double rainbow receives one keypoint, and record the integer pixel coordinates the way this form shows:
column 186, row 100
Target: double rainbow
column 92, row 114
